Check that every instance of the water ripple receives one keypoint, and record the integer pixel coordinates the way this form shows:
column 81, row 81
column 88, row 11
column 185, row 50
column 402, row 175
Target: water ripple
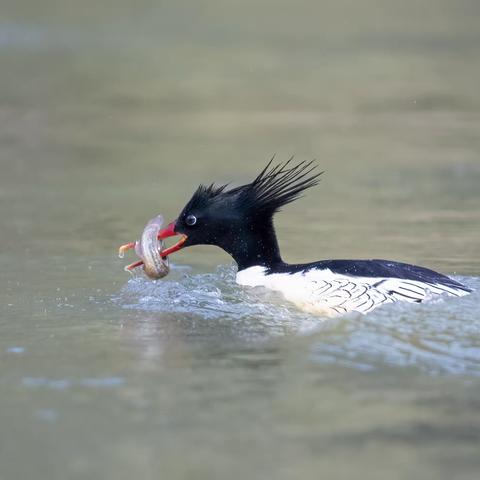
column 438, row 337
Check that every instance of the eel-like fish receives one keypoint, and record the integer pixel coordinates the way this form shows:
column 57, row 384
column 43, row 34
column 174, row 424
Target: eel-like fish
column 149, row 248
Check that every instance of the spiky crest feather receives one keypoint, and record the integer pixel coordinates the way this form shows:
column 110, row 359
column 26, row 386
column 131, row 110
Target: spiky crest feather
column 279, row 185
column 273, row 188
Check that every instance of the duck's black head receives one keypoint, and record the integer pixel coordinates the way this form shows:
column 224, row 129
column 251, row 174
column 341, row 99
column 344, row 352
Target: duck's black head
column 240, row 220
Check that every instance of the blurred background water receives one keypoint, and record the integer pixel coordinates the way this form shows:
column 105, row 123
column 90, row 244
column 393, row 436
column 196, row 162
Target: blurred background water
column 112, row 112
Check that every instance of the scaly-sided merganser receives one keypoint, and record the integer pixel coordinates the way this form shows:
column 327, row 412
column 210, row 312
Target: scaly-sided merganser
column 240, row 221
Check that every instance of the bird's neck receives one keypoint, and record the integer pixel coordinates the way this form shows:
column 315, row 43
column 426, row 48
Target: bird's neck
column 254, row 245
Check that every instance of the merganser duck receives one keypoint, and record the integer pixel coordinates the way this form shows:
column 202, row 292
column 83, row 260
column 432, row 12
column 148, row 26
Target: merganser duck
column 240, row 221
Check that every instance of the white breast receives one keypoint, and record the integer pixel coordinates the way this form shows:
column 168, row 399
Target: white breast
column 328, row 293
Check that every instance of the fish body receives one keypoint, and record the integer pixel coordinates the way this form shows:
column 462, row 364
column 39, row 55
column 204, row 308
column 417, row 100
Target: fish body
column 148, row 248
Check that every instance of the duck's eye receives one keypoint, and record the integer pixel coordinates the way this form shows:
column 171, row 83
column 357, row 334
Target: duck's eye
column 191, row 220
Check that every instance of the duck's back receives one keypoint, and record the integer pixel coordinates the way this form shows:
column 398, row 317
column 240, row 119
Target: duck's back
column 339, row 286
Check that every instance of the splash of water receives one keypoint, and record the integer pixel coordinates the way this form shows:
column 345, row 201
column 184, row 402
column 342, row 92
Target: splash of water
column 213, row 296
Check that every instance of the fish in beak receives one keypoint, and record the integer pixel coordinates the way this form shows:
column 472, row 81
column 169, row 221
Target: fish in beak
column 168, row 231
